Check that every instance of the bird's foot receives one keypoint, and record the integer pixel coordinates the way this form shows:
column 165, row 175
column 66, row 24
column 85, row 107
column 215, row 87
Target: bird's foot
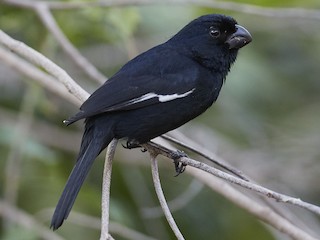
column 179, row 167
column 130, row 144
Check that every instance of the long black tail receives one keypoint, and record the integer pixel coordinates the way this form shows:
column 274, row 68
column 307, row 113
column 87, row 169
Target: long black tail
column 94, row 140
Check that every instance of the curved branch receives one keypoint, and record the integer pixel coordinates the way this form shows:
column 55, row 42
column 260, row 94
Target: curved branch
column 162, row 200
column 106, row 183
column 264, row 213
column 178, row 203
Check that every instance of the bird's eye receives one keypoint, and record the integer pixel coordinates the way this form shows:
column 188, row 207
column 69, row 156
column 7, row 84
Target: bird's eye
column 214, row 32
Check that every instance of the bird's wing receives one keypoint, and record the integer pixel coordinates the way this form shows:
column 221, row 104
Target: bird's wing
column 126, row 93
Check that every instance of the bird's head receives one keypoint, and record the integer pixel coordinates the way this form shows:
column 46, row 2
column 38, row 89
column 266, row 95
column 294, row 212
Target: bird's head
column 212, row 39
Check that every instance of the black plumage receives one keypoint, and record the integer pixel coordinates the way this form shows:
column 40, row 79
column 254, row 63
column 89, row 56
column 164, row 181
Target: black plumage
column 156, row 92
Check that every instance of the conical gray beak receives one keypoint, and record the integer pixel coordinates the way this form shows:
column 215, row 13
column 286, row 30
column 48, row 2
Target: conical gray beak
column 239, row 38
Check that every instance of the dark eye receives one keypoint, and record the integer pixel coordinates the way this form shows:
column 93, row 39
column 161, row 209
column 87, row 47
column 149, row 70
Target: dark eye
column 214, row 32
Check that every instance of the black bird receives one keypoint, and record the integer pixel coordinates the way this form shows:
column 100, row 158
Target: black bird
column 156, row 92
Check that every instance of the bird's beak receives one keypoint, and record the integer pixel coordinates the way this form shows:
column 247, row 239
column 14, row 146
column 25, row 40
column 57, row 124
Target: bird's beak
column 239, row 38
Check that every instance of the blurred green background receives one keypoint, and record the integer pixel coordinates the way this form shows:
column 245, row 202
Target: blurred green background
column 266, row 122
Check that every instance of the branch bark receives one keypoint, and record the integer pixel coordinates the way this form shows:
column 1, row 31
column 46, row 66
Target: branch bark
column 46, row 16
column 262, row 212
column 162, row 200
column 295, row 13
column 106, row 184
column 156, row 148
column 37, row 75
column 39, row 60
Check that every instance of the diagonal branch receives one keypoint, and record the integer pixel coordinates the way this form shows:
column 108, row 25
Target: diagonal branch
column 27, row 221
column 223, row 5
column 37, row 75
column 215, row 159
column 40, row 60
column 198, row 149
column 46, row 16
column 262, row 212
column 156, row 148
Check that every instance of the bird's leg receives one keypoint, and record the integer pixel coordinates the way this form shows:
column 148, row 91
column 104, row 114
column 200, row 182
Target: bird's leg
column 179, row 167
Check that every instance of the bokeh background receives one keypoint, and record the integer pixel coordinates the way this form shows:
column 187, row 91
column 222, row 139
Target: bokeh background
column 266, row 122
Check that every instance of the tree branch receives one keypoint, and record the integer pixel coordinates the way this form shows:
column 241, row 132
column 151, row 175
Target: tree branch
column 162, row 200
column 106, row 184
column 87, row 221
column 45, row 15
column 27, row 221
column 223, row 5
column 178, row 203
column 156, row 148
column 40, row 60
column 264, row 213
column 215, row 159
column 34, row 73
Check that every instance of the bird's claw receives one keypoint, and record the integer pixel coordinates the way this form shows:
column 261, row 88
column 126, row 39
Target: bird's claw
column 130, row 144
column 144, row 150
column 179, row 167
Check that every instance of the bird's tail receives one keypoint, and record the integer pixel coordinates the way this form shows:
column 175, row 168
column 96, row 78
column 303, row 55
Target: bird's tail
column 93, row 142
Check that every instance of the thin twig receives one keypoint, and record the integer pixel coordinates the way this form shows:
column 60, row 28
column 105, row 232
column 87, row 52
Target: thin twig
column 162, row 200
column 106, row 183
column 128, row 233
column 110, row 237
column 278, row 208
column 40, row 60
column 142, row 196
column 49, row 21
column 223, row 5
column 262, row 212
column 27, row 221
column 92, row 222
column 178, row 203
column 32, row 72
column 252, row 186
column 156, row 148
column 215, row 159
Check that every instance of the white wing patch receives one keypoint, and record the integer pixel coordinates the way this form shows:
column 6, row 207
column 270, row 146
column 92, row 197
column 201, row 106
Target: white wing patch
column 162, row 98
